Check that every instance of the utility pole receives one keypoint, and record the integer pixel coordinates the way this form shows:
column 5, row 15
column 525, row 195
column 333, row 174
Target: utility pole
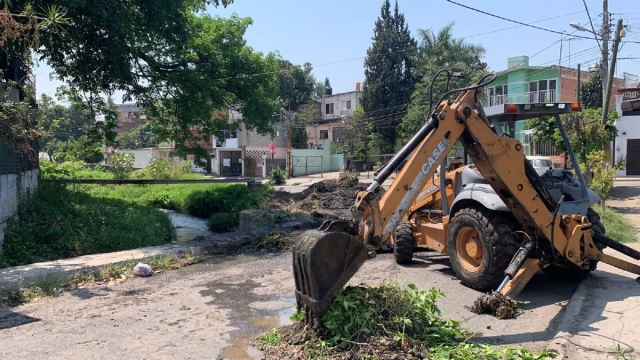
column 605, row 48
column 607, row 90
column 578, row 87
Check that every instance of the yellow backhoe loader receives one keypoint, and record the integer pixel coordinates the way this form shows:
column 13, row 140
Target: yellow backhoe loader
column 536, row 231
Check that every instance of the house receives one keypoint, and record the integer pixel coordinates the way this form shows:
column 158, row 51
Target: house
column 522, row 83
column 627, row 143
column 130, row 116
column 245, row 152
column 335, row 109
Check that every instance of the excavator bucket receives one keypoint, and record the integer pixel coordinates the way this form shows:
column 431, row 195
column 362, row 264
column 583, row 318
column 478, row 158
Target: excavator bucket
column 323, row 262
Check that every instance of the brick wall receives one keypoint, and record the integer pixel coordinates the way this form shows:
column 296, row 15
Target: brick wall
column 569, row 83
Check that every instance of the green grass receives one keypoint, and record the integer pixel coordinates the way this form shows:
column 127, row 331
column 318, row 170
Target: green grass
column 618, row 227
column 61, row 221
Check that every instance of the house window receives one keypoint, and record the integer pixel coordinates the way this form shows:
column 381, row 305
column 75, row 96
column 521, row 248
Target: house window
column 230, row 134
column 324, row 134
column 498, row 95
column 542, row 91
column 338, row 134
column 346, row 105
column 328, row 108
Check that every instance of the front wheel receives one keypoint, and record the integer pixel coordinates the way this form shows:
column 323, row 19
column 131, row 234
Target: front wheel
column 403, row 243
column 481, row 244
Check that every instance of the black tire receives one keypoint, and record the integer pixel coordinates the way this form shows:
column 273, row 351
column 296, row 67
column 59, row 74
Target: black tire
column 495, row 233
column 403, row 243
column 569, row 270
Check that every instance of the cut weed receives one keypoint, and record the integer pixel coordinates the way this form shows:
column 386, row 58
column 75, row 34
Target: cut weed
column 274, row 241
column 386, row 321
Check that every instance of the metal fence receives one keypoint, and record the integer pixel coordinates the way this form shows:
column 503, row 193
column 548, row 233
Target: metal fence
column 307, row 164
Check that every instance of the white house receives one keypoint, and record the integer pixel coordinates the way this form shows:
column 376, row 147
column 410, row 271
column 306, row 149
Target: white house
column 627, row 143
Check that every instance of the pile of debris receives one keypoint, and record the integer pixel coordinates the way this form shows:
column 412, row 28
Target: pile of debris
column 332, row 194
column 386, row 321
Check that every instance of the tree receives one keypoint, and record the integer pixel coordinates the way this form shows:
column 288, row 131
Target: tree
column 591, row 92
column 584, row 130
column 437, row 51
column 355, row 133
column 388, row 83
column 298, row 129
column 166, row 55
column 296, row 84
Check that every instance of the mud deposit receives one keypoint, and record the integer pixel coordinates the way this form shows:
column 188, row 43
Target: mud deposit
column 324, row 195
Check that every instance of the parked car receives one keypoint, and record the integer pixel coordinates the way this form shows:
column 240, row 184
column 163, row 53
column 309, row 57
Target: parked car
column 541, row 163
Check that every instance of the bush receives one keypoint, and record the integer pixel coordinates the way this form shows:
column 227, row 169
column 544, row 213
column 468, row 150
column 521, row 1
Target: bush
column 61, row 222
column 277, row 176
column 222, row 222
column 349, row 179
column 122, row 165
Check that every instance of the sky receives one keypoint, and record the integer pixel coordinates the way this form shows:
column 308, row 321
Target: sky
column 334, row 35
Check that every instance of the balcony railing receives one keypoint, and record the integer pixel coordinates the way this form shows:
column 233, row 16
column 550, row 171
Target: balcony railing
column 530, row 97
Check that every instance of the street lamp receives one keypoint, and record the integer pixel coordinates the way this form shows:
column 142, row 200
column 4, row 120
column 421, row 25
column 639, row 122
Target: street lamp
column 579, row 27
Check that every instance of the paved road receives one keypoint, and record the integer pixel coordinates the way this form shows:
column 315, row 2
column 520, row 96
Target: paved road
column 211, row 310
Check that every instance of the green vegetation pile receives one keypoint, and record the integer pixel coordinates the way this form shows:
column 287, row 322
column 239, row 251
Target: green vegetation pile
column 385, row 321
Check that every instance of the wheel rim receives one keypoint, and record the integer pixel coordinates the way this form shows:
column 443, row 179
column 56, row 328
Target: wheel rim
column 469, row 249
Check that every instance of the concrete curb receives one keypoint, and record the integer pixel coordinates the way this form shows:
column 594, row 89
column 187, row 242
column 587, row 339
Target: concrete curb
column 567, row 325
column 13, row 276
column 603, row 313
column 627, row 179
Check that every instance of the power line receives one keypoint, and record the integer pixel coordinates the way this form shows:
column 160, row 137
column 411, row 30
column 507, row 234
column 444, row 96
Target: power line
column 591, row 22
column 517, row 26
column 518, row 22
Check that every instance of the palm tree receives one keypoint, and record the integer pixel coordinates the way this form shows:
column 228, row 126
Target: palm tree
column 436, row 51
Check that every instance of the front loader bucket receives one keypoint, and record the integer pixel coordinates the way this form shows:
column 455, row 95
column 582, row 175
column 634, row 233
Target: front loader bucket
column 323, row 262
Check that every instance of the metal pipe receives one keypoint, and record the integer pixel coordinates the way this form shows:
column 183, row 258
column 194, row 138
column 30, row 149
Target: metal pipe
column 443, row 190
column 384, row 174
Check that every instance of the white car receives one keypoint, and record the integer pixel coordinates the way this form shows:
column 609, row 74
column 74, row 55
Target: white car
column 541, row 163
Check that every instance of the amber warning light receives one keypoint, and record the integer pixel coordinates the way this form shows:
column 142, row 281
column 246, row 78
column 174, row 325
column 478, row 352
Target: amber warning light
column 511, row 108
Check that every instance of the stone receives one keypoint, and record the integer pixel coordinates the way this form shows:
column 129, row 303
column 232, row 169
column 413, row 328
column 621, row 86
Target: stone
column 142, row 270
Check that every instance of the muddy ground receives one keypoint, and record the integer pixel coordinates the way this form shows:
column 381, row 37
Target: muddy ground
column 213, row 310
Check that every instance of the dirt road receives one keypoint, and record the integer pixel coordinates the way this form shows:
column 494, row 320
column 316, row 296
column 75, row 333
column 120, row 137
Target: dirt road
column 212, row 311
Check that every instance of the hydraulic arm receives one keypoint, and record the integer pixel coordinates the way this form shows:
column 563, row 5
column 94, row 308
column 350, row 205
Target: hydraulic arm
column 325, row 259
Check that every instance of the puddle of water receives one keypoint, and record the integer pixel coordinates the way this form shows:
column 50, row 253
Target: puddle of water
column 250, row 321
column 187, row 227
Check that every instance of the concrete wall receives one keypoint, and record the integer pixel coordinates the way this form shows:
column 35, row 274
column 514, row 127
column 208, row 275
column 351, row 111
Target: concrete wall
column 307, row 162
column 13, row 189
column 336, row 100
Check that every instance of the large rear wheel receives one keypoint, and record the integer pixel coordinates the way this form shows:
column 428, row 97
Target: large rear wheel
column 480, row 244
